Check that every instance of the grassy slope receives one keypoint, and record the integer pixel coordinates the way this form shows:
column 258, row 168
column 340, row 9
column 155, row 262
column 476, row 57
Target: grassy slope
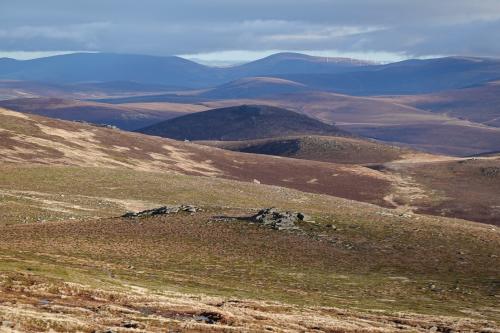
column 374, row 259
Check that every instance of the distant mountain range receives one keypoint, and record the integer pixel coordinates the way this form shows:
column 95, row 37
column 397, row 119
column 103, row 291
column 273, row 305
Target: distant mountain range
column 350, row 76
column 406, row 77
column 173, row 71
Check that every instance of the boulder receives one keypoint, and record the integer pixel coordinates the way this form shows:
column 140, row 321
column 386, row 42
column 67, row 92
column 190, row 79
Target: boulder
column 279, row 220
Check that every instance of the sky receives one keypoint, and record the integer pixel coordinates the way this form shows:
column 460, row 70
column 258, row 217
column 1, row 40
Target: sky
column 230, row 31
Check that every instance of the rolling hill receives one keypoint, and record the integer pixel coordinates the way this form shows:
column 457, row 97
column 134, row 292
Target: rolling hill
column 386, row 121
column 334, row 149
column 296, row 63
column 127, row 117
column 252, row 87
column 240, row 123
column 108, row 68
column 69, row 262
column 341, row 75
column 478, row 104
column 104, row 67
column 34, row 139
column 406, row 77
column 451, row 183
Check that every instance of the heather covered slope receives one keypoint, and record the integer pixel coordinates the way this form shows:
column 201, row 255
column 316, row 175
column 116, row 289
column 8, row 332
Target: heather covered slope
column 479, row 104
column 334, row 149
column 127, row 117
column 70, row 263
column 468, row 188
column 33, row 139
column 240, row 123
column 357, row 267
column 388, row 121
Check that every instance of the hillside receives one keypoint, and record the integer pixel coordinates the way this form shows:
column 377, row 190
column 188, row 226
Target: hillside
column 296, row 63
column 449, row 185
column 332, row 149
column 32, row 139
column 478, row 104
column 105, row 67
column 348, row 76
column 362, row 267
column 406, row 77
column 253, row 87
column 240, row 123
column 71, row 263
column 387, row 121
column 127, row 117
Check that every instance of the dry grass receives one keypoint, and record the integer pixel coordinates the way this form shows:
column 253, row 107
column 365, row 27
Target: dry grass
column 363, row 265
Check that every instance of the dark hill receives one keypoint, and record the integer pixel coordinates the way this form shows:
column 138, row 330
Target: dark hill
column 243, row 122
column 333, row 149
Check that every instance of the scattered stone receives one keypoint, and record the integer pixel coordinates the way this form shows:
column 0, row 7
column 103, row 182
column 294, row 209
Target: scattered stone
column 331, row 226
column 131, row 325
column 490, row 172
column 208, row 317
column 7, row 324
column 96, row 125
column 256, row 181
column 165, row 210
column 44, row 302
column 278, row 220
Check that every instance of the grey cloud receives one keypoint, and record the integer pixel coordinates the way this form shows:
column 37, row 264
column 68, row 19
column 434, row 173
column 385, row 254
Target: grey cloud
column 193, row 26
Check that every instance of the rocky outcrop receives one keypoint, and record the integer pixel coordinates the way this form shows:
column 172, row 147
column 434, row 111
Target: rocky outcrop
column 279, row 220
column 165, row 210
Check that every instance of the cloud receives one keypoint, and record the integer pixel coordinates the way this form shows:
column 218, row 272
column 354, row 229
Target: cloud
column 198, row 26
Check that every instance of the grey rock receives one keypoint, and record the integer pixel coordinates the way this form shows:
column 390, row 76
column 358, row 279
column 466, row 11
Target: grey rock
column 165, row 210
column 7, row 323
column 279, row 220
